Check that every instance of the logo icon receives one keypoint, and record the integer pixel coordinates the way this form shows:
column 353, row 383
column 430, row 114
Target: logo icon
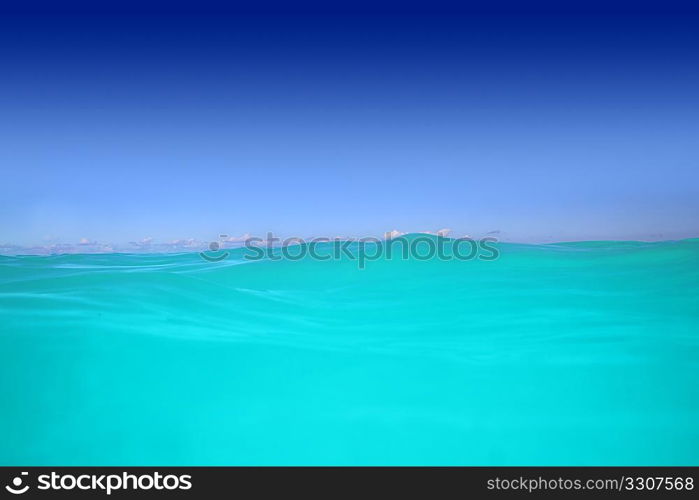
column 16, row 488
column 215, row 255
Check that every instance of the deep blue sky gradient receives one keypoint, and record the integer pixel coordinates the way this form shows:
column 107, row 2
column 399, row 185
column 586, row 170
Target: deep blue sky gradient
column 188, row 120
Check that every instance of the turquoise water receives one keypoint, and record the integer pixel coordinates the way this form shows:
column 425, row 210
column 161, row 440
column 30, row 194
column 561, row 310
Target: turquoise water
column 579, row 353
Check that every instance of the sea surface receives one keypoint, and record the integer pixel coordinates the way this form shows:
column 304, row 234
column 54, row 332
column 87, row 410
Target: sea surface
column 560, row 354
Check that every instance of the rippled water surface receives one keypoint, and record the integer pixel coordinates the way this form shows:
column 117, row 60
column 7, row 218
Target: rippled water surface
column 578, row 353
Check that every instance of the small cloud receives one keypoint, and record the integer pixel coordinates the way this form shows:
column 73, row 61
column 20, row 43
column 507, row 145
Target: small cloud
column 233, row 241
column 393, row 234
column 237, row 239
column 145, row 243
column 85, row 241
column 440, row 232
column 186, row 243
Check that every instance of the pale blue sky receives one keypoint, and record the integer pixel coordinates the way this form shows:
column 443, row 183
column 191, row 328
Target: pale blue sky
column 545, row 127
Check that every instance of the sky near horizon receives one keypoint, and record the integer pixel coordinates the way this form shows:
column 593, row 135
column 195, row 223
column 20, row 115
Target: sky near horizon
column 124, row 123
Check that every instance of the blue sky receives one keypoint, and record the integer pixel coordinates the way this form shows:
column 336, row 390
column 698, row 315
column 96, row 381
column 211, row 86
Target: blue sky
column 173, row 121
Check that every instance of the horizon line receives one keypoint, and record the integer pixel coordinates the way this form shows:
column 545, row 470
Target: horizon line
column 193, row 245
